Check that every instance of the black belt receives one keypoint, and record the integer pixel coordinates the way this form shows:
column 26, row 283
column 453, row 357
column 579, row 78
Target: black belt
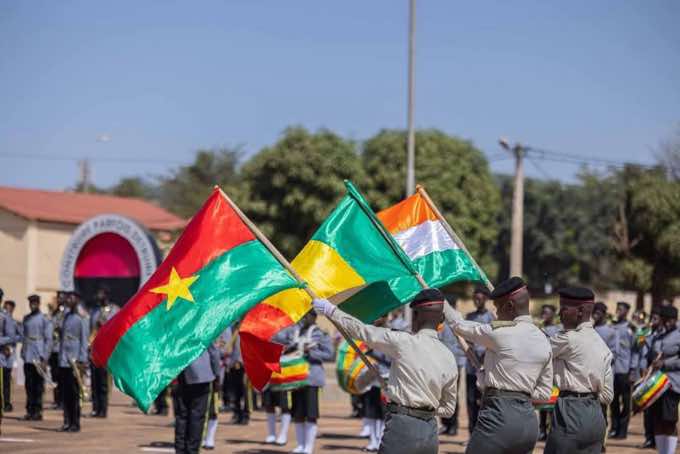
column 578, row 395
column 495, row 392
column 420, row 413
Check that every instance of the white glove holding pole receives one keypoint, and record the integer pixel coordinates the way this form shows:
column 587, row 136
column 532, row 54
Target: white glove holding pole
column 323, row 307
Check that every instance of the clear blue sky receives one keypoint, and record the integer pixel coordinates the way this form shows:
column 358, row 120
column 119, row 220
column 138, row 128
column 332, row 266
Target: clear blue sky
column 165, row 78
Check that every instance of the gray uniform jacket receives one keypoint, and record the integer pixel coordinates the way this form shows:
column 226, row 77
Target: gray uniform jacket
column 668, row 344
column 36, row 338
column 552, row 330
column 449, row 339
column 203, row 369
column 479, row 350
column 74, row 339
column 623, row 354
column 608, row 335
column 9, row 335
column 321, row 350
column 96, row 315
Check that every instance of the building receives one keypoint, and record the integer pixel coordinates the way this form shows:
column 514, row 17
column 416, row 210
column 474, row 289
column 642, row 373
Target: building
column 37, row 227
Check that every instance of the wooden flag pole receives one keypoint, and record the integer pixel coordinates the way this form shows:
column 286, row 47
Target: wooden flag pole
column 284, row 262
column 421, row 190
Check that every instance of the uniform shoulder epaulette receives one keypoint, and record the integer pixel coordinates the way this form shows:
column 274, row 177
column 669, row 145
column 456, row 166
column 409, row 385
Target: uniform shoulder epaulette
column 502, row 324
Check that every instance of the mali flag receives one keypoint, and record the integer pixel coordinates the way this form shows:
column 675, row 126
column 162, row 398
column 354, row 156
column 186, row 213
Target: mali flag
column 350, row 259
column 213, row 275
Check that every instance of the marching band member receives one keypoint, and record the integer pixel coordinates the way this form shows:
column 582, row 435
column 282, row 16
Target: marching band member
column 416, row 394
column 583, row 373
column 73, row 357
column 647, row 356
column 624, row 366
column 517, row 368
column 9, row 335
column 56, row 318
column 550, row 329
column 102, row 313
column 37, row 342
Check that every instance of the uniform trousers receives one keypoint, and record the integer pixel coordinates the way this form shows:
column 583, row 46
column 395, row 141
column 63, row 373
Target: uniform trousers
column 35, row 386
column 191, row 405
column 506, row 425
column 373, row 406
column 237, row 391
column 620, row 406
column 473, row 398
column 405, row 434
column 161, row 402
column 54, row 373
column 578, row 427
column 305, row 404
column 272, row 399
column 70, row 397
column 100, row 390
column 7, row 387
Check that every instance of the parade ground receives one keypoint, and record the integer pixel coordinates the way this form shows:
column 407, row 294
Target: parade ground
column 127, row 430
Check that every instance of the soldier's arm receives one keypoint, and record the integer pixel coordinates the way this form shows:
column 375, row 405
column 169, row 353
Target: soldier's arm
column 672, row 363
column 84, row 338
column 381, row 339
column 543, row 389
column 47, row 339
column 559, row 344
column 447, row 403
column 5, row 337
column 480, row 334
column 606, row 394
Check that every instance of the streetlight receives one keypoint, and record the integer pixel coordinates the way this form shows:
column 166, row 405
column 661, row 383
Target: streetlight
column 516, row 245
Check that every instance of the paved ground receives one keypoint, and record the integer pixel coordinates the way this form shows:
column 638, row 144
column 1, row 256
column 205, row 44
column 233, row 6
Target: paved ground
column 127, row 430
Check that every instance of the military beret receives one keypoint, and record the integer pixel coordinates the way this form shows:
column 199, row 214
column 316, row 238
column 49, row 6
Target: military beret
column 33, row 297
column 482, row 290
column 600, row 306
column 508, row 287
column 669, row 312
column 624, row 304
column 427, row 297
column 576, row 296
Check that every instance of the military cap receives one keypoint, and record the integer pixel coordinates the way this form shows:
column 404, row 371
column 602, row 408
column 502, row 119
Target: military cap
column 624, row 304
column 508, row 287
column 600, row 306
column 669, row 312
column 482, row 290
column 33, row 297
column 576, row 296
column 427, row 297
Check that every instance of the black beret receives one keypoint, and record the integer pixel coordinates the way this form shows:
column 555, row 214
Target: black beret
column 576, row 295
column 624, row 304
column 428, row 295
column 600, row 306
column 34, row 297
column 507, row 287
column 483, row 290
column 669, row 312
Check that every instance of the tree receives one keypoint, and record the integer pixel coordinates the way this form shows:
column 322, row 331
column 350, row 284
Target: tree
column 290, row 187
column 456, row 175
column 184, row 191
column 135, row 187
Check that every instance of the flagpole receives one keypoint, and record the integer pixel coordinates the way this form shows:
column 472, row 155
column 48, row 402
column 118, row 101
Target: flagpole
column 284, row 262
column 421, row 190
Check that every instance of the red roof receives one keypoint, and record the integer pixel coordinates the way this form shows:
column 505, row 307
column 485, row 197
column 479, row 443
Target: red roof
column 74, row 207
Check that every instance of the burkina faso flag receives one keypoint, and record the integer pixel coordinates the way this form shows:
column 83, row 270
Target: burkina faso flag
column 213, row 275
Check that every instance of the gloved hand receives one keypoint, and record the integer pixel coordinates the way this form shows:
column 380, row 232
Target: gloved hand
column 323, row 307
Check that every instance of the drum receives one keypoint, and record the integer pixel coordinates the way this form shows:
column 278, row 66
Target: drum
column 649, row 390
column 294, row 373
column 352, row 374
column 550, row 403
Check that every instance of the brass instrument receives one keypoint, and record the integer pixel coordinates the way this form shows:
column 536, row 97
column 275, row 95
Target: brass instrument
column 102, row 318
column 40, row 368
column 78, row 374
column 57, row 322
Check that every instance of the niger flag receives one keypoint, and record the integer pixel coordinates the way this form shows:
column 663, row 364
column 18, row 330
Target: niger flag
column 213, row 275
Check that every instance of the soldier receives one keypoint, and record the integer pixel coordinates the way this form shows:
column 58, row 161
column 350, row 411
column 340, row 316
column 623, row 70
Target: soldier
column 57, row 318
column 37, row 344
column 550, row 329
column 9, row 335
column 473, row 394
column 665, row 410
column 416, row 394
column 102, row 313
column 73, row 358
column 517, row 368
column 647, row 357
column 448, row 338
column 623, row 373
column 583, row 373
column 191, row 403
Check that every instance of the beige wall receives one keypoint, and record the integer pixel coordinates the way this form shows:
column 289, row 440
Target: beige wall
column 13, row 256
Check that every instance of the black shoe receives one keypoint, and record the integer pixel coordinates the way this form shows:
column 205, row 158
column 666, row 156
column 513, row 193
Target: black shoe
column 648, row 444
column 542, row 436
column 64, row 428
column 8, row 408
column 620, row 436
column 612, row 434
column 243, row 421
column 208, row 448
column 27, row 417
column 37, row 417
column 74, row 429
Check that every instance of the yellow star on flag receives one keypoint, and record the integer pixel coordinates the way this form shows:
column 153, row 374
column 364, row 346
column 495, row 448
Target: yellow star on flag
column 177, row 287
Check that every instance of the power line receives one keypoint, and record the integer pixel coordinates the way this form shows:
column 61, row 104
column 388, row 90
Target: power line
column 540, row 169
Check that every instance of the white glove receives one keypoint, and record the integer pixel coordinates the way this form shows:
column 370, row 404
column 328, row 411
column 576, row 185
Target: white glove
column 451, row 315
column 323, row 307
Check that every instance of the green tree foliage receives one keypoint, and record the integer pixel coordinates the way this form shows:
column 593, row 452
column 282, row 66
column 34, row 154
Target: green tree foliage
column 185, row 189
column 290, row 187
column 455, row 174
column 135, row 187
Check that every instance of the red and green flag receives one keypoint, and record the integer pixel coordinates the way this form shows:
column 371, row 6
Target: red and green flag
column 214, row 274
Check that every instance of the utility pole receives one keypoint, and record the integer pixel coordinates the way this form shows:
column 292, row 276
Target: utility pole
column 517, row 242
column 84, row 166
column 411, row 144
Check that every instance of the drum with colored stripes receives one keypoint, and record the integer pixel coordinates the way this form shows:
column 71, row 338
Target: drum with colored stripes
column 294, row 373
column 647, row 392
column 352, row 374
column 550, row 403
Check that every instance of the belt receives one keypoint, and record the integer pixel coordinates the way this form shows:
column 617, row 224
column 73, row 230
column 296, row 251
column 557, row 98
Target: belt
column 420, row 413
column 578, row 395
column 495, row 392
column 34, row 338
